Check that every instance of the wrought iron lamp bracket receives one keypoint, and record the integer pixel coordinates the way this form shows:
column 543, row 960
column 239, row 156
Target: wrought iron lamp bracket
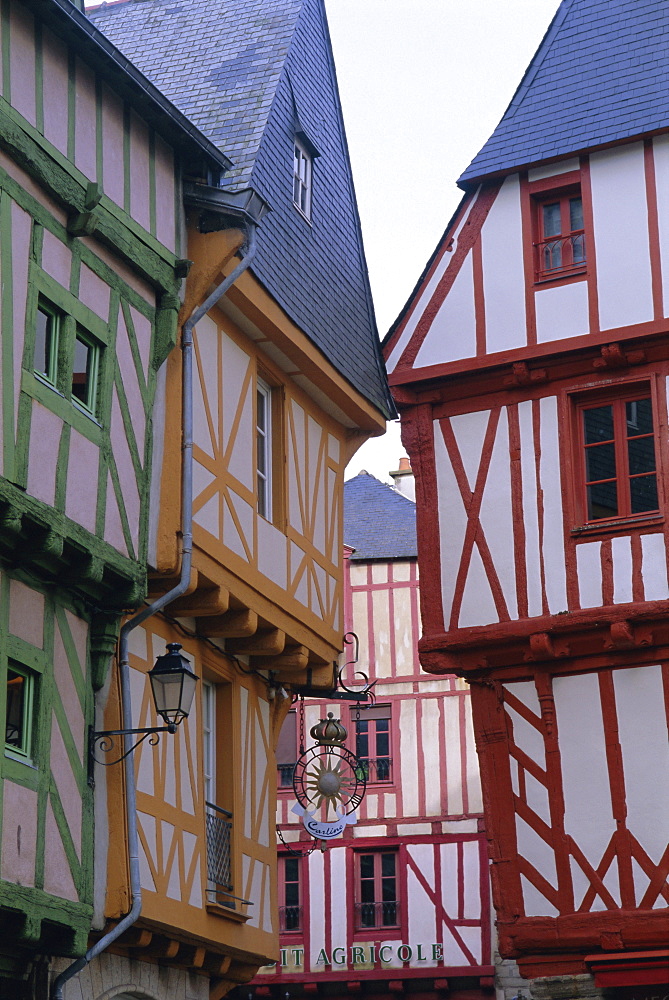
column 105, row 742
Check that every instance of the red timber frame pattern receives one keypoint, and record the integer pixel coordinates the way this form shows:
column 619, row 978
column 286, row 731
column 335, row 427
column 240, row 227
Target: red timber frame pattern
column 577, row 614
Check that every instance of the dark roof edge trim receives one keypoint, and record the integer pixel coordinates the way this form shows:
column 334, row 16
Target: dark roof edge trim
column 65, row 18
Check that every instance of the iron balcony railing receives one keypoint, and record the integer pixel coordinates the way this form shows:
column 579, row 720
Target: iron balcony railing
column 559, row 255
column 377, row 769
column 290, row 918
column 384, row 914
column 219, row 853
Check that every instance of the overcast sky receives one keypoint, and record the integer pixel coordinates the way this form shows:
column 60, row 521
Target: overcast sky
column 423, row 84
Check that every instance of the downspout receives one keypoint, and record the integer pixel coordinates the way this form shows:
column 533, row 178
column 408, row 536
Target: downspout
column 152, row 609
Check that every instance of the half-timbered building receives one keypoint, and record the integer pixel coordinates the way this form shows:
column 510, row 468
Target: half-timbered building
column 91, row 158
column 401, row 903
column 530, row 365
column 285, row 380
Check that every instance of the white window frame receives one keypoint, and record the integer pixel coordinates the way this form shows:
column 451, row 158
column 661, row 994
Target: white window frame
column 209, row 740
column 302, row 179
column 264, row 449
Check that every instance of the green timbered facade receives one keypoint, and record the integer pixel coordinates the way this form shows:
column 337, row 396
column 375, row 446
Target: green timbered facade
column 91, row 162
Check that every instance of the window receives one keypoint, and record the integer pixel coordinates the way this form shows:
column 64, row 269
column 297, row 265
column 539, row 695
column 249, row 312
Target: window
column 372, row 743
column 19, row 713
column 302, row 179
column 377, row 904
column 219, row 825
column 286, row 751
column 560, row 238
column 264, row 448
column 616, row 445
column 67, row 356
column 290, row 908
column 47, row 328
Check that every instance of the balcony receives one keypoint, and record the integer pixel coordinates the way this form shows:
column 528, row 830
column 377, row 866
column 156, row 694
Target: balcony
column 384, row 914
column 219, row 855
column 560, row 256
column 379, row 769
column 290, row 918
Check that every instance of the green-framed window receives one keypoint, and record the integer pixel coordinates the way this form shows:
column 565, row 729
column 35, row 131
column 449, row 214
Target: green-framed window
column 47, row 337
column 19, row 712
column 85, row 370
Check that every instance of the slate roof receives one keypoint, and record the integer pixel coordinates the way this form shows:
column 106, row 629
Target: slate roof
column 601, row 74
column 379, row 522
column 244, row 71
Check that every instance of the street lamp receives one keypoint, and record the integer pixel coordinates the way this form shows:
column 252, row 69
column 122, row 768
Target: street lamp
column 173, row 687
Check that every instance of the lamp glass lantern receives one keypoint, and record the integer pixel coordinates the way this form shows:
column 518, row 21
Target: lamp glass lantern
column 173, row 685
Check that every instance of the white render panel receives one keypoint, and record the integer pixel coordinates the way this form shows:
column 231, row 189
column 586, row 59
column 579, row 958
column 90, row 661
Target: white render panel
column 552, row 169
column 205, row 383
column 642, row 725
column 241, row 454
column 430, row 726
column 475, row 803
column 530, row 510
column 422, row 303
column 422, row 914
column 562, row 311
column 381, row 620
column 537, row 798
column 478, row 605
column 526, row 737
column 536, row 904
column 553, row 540
column 654, row 567
column 661, row 155
column 262, row 741
column 452, row 521
column 503, row 271
column 339, row 926
column 537, row 852
column 589, row 571
column 272, row 554
column 621, row 549
column 452, row 335
column 621, row 214
column 496, row 515
column 147, row 825
column 469, row 432
column 472, row 895
column 81, row 492
column 453, row 776
column 296, row 468
column 409, row 757
column 526, row 692
column 587, row 797
column 316, row 906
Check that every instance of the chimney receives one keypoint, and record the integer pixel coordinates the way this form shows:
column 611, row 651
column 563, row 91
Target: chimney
column 403, row 479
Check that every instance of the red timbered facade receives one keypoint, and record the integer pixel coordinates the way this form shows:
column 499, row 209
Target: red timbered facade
column 530, row 366
column 401, row 902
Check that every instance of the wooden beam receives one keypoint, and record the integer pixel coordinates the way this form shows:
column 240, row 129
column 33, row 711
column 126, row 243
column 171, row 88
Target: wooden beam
column 267, row 643
column 232, row 625
column 207, row 602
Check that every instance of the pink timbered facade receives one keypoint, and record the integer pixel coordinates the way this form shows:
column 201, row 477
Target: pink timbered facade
column 530, row 366
column 401, row 902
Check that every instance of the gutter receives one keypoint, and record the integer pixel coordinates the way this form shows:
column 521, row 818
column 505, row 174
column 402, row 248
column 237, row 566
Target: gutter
column 152, row 609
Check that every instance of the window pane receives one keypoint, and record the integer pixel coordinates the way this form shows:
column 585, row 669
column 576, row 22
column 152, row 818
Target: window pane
column 598, row 424
column 575, row 213
column 639, row 415
column 44, row 333
column 261, row 402
column 262, row 496
column 552, row 256
column 602, row 501
column 643, row 494
column 387, row 864
column 578, row 249
column 382, row 744
column 367, row 866
column 81, row 372
column 291, row 869
column 600, row 462
column 552, row 219
column 641, row 453
column 15, row 733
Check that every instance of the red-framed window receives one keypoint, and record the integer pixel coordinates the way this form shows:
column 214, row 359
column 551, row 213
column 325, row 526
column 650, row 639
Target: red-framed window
column 290, row 893
column 617, row 450
column 559, row 241
column 373, row 741
column 377, row 903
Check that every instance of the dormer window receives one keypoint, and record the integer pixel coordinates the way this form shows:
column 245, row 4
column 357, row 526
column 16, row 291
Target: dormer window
column 302, row 163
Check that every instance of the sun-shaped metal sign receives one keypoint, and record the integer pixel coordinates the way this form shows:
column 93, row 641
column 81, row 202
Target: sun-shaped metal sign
column 329, row 781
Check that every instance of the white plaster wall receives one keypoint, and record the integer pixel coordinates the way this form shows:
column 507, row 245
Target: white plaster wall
column 503, row 271
column 589, row 571
column 621, row 236
column 562, row 311
column 552, row 169
column 661, row 155
column 654, row 567
column 530, row 509
column 496, row 515
column 452, row 335
column 553, row 540
column 452, row 521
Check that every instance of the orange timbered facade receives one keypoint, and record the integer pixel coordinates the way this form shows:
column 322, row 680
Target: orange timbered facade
column 531, row 369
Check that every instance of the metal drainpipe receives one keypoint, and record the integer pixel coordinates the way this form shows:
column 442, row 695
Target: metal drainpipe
column 162, row 602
